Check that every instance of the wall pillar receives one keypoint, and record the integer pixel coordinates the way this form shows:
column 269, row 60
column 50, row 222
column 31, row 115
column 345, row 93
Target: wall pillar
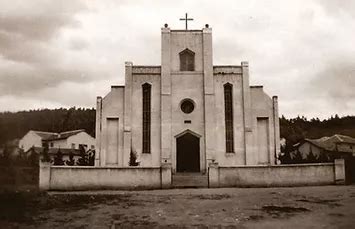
column 127, row 138
column 165, row 89
column 209, row 97
column 213, row 175
column 98, row 128
column 44, row 175
column 275, row 157
column 339, row 170
column 166, row 175
column 247, row 115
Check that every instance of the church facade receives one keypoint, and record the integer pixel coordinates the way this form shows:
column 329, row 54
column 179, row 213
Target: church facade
column 187, row 112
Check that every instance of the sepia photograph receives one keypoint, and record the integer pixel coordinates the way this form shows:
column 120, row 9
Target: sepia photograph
column 177, row 114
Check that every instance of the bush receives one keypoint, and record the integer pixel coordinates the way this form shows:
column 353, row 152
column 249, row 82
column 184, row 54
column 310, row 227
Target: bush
column 133, row 158
column 83, row 160
column 71, row 160
column 58, row 159
column 45, row 154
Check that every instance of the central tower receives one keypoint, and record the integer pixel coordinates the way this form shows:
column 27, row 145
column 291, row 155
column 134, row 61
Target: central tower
column 187, row 75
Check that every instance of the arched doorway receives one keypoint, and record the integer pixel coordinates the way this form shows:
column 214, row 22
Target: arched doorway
column 188, row 153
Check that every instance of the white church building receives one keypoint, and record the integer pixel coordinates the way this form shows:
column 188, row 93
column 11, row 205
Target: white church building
column 190, row 124
column 187, row 111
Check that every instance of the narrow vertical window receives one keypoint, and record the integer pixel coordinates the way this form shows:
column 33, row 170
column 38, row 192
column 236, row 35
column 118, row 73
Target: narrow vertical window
column 146, row 117
column 187, row 60
column 228, row 112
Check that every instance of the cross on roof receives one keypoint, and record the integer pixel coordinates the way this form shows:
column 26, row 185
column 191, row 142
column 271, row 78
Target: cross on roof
column 186, row 19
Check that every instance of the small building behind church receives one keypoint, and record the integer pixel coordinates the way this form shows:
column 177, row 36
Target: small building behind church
column 187, row 111
column 68, row 139
column 328, row 148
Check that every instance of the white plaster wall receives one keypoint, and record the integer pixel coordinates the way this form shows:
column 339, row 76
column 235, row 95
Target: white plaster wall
column 188, row 85
column 346, row 147
column 182, row 40
column 306, row 147
column 262, row 106
column 81, row 138
column 221, row 156
column 112, row 107
column 29, row 140
column 282, row 175
column 58, row 144
column 153, row 158
column 81, row 178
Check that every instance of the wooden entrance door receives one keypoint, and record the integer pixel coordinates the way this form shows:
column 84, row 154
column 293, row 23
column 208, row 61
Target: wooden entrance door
column 188, row 153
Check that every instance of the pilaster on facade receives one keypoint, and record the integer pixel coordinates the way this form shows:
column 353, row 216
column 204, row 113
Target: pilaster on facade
column 127, row 142
column 165, row 95
column 276, row 126
column 247, row 117
column 98, row 130
column 209, row 99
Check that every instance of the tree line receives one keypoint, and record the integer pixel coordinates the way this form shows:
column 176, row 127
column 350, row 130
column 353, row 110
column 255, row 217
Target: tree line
column 14, row 125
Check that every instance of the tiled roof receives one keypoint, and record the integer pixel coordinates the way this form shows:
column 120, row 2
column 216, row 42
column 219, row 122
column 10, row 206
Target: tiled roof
column 331, row 143
column 49, row 136
column 67, row 134
column 45, row 135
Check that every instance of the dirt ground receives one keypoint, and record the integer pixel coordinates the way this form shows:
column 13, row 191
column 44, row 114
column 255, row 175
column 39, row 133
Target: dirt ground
column 302, row 207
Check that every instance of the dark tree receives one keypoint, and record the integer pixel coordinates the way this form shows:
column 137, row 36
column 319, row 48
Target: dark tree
column 58, row 158
column 5, row 158
column 21, row 158
column 45, row 153
column 297, row 159
column 285, row 158
column 33, row 158
column 83, row 160
column 311, row 158
column 92, row 158
column 323, row 157
column 133, row 158
column 71, row 160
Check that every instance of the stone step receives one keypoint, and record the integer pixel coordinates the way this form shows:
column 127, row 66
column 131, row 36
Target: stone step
column 189, row 180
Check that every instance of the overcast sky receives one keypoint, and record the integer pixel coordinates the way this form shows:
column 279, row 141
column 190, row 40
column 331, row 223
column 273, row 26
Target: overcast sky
column 65, row 53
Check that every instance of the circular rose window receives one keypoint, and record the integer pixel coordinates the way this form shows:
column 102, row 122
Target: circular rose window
column 187, row 106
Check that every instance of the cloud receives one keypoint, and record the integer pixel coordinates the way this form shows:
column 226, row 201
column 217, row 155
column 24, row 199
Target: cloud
column 67, row 52
column 335, row 83
column 38, row 19
column 32, row 53
column 338, row 7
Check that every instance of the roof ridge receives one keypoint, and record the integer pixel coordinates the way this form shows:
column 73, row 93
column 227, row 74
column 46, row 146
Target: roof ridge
column 44, row 132
column 70, row 131
column 337, row 136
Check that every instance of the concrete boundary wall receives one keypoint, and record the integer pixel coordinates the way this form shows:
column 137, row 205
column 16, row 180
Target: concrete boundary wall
column 89, row 178
column 277, row 175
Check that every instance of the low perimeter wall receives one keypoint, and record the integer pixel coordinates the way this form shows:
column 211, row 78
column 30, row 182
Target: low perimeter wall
column 278, row 175
column 88, row 177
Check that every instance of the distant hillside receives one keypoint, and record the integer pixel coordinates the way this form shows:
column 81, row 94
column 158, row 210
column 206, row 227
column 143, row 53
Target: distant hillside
column 16, row 124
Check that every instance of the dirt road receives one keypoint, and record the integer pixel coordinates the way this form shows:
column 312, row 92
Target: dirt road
column 303, row 207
